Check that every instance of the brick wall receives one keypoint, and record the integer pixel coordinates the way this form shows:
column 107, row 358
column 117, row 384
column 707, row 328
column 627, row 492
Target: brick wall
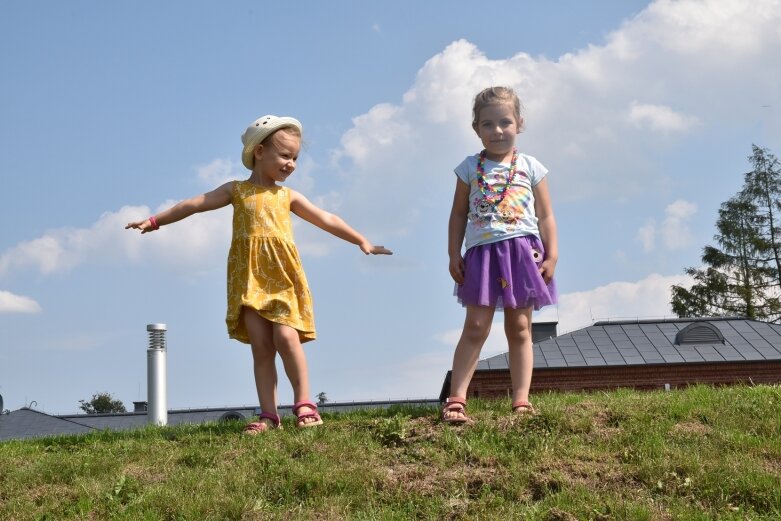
column 496, row 383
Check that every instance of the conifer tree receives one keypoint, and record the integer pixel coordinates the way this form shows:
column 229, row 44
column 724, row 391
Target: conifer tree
column 763, row 186
column 740, row 276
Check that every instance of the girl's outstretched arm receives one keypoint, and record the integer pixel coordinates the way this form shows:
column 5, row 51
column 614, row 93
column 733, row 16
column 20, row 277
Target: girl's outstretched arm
column 547, row 225
column 217, row 198
column 302, row 207
column 456, row 230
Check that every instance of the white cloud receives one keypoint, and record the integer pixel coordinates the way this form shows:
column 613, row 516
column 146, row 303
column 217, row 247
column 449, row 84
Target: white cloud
column 56, row 251
column 676, row 224
column 646, row 298
column 675, row 229
column 400, row 156
column 198, row 242
column 719, row 30
column 597, row 110
column 660, row 118
column 10, row 303
column 220, row 171
column 385, row 127
column 189, row 243
column 647, row 236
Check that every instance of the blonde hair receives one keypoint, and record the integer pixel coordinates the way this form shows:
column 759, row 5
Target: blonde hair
column 496, row 96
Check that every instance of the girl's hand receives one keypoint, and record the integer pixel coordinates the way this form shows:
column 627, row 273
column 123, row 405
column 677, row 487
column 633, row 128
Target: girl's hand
column 457, row 268
column 368, row 248
column 547, row 268
column 145, row 226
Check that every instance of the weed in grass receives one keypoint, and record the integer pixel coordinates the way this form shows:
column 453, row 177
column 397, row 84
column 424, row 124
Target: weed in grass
column 391, row 432
column 123, row 491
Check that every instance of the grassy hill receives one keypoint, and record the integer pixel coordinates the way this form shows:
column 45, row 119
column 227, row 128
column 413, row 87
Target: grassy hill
column 698, row 453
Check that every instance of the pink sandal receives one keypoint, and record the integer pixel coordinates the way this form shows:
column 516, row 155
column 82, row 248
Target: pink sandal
column 261, row 426
column 522, row 407
column 304, row 415
column 455, row 405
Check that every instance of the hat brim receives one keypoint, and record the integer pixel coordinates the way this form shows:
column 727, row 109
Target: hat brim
column 265, row 129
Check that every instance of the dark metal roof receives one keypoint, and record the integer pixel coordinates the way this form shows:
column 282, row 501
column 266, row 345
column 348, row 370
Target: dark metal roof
column 134, row 420
column 643, row 342
column 29, row 423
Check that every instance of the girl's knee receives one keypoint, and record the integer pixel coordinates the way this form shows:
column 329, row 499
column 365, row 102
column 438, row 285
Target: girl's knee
column 477, row 330
column 286, row 338
column 518, row 323
column 477, row 324
column 519, row 336
column 518, row 332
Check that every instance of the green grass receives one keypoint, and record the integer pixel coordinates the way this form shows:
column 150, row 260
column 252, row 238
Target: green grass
column 698, row 453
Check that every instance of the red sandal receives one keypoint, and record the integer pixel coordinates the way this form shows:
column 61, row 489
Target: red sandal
column 458, row 406
column 261, row 426
column 522, row 407
column 304, row 415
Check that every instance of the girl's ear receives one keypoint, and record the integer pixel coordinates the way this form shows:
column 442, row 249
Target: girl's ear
column 258, row 151
column 520, row 126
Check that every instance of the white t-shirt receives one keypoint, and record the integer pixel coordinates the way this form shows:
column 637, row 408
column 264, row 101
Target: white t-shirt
column 514, row 216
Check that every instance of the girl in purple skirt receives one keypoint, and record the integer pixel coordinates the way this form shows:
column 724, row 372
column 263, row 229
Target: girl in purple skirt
column 502, row 212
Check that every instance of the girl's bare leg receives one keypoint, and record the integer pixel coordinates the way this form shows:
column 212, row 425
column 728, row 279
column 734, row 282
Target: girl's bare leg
column 517, row 327
column 477, row 325
column 288, row 344
column 264, row 355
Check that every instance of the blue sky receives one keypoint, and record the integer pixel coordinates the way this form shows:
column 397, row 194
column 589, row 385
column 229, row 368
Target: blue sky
column 644, row 112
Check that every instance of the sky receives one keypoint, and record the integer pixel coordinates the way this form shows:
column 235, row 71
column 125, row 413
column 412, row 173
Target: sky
column 644, row 112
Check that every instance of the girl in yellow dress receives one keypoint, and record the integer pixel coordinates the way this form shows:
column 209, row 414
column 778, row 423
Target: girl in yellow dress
column 269, row 304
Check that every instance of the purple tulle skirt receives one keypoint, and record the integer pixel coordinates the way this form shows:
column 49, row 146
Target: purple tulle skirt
column 506, row 274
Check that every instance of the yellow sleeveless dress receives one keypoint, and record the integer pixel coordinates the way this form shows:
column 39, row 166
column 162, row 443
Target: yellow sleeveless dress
column 264, row 269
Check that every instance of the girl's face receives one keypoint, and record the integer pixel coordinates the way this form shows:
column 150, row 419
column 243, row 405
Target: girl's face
column 497, row 128
column 276, row 160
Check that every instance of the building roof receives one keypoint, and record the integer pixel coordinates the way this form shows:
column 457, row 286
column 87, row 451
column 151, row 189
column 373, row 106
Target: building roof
column 134, row 420
column 28, row 423
column 645, row 342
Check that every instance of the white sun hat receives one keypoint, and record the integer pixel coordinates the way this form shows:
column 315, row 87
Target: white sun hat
column 259, row 130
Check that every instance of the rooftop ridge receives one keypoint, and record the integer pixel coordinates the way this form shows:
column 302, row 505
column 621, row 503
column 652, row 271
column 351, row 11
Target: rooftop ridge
column 329, row 404
column 621, row 321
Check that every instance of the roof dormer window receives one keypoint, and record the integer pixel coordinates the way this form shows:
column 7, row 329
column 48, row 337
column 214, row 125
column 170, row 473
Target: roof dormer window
column 699, row 333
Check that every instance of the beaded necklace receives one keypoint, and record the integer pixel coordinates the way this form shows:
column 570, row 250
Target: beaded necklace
column 493, row 195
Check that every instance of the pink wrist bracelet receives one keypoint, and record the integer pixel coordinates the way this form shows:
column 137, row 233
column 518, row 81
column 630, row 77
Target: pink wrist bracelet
column 154, row 224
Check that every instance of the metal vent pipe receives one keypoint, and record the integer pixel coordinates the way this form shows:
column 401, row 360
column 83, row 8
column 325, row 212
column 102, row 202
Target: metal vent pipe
column 156, row 393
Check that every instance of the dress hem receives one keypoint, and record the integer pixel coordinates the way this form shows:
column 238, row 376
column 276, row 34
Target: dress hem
column 303, row 335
